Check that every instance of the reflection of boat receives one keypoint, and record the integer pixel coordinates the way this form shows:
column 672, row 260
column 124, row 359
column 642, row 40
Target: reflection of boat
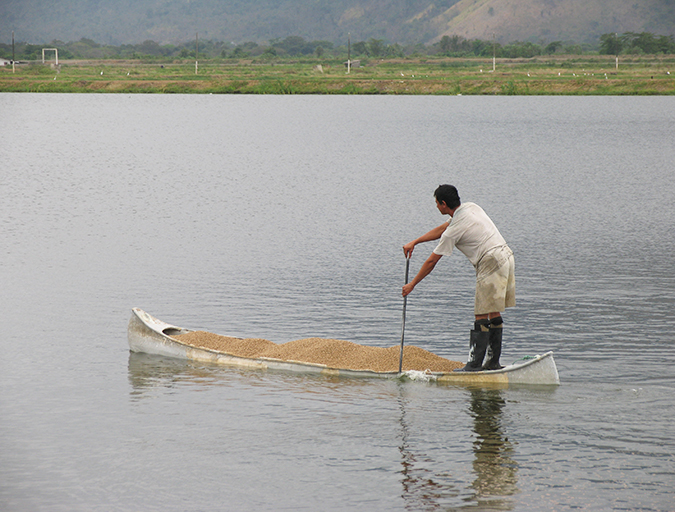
column 152, row 336
column 147, row 372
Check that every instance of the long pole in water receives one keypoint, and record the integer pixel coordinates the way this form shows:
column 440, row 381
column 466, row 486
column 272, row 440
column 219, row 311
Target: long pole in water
column 405, row 302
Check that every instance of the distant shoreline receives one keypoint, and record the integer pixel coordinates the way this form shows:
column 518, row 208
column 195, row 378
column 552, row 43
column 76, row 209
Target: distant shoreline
column 559, row 75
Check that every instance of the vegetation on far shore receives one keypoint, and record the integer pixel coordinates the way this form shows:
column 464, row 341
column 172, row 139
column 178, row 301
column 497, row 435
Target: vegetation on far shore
column 450, row 69
column 562, row 75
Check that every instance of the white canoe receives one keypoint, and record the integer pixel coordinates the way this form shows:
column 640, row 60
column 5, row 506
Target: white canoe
column 149, row 335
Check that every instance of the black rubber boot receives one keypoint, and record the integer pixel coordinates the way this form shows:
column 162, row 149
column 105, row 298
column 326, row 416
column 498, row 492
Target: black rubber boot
column 494, row 349
column 477, row 347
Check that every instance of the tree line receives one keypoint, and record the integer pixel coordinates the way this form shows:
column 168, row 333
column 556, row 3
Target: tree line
column 633, row 43
column 296, row 46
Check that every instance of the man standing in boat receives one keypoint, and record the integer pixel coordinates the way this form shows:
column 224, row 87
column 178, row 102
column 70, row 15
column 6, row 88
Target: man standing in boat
column 475, row 235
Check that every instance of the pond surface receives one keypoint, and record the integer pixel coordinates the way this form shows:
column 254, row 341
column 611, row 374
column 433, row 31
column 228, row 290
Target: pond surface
column 283, row 217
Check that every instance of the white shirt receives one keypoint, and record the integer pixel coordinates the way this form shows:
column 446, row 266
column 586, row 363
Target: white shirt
column 472, row 232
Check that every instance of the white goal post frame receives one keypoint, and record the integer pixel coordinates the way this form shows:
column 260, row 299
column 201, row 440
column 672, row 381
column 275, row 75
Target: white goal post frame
column 56, row 54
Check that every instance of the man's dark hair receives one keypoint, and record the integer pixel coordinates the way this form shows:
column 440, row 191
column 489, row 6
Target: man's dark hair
column 447, row 194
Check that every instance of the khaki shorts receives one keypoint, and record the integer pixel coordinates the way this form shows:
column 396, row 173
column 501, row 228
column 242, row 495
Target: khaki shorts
column 495, row 281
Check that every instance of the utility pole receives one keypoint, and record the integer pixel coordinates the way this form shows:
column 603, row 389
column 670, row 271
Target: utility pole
column 494, row 52
column 13, row 69
column 349, row 51
column 197, row 53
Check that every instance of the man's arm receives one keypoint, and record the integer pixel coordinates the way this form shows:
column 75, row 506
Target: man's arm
column 434, row 234
column 424, row 271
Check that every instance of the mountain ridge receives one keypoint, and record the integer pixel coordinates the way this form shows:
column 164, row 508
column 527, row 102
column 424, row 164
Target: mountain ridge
column 578, row 20
column 394, row 21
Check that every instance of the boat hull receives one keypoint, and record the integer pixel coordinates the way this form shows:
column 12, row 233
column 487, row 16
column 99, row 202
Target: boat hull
column 150, row 335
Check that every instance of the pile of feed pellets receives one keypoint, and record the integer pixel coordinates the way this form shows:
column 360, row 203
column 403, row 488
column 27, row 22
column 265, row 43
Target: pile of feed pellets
column 338, row 354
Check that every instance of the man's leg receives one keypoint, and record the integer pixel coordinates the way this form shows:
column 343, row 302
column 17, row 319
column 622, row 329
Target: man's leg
column 478, row 343
column 494, row 349
column 495, row 291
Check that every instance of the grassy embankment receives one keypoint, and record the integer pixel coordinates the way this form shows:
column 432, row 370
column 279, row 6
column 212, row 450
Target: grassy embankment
column 558, row 75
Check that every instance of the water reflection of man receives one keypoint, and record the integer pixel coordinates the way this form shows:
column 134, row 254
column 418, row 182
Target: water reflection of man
column 475, row 235
column 429, row 484
column 496, row 471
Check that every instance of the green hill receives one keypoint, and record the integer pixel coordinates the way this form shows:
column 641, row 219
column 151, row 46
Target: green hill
column 119, row 22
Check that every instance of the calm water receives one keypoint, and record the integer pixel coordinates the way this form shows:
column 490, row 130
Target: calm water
column 283, row 218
